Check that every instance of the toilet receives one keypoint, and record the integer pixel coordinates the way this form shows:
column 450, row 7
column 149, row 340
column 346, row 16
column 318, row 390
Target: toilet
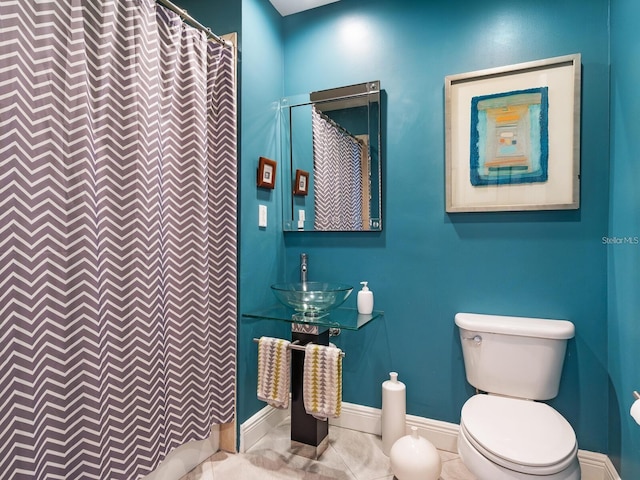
column 507, row 433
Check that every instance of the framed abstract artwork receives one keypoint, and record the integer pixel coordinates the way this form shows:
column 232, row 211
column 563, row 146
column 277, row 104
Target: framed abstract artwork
column 513, row 137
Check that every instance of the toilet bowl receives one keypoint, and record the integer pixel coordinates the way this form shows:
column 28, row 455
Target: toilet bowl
column 492, row 445
column 508, row 433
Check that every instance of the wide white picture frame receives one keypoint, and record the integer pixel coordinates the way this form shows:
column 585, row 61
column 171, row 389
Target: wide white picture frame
column 560, row 79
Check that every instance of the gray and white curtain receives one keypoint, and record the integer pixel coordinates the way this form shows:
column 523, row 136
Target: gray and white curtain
column 337, row 176
column 117, row 237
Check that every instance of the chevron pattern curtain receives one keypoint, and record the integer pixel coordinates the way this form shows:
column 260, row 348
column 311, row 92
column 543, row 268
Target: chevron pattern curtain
column 337, row 176
column 117, row 237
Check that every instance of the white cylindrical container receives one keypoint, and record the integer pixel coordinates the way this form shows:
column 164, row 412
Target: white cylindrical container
column 394, row 411
column 415, row 458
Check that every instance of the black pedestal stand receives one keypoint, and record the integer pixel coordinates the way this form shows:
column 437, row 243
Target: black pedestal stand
column 309, row 436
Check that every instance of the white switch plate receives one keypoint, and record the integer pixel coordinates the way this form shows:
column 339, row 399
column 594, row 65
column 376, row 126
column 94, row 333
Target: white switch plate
column 262, row 216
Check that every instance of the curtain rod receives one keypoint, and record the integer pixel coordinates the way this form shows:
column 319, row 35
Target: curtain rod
column 327, row 118
column 182, row 13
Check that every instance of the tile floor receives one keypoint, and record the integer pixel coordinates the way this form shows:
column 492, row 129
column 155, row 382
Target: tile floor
column 350, row 455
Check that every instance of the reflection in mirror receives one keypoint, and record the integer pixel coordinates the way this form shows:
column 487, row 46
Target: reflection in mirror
column 331, row 140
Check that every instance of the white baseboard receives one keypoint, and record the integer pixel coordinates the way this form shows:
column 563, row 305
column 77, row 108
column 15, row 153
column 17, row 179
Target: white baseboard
column 359, row 418
column 443, row 435
column 259, row 424
column 596, row 466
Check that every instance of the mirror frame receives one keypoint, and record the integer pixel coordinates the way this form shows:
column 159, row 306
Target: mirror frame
column 358, row 95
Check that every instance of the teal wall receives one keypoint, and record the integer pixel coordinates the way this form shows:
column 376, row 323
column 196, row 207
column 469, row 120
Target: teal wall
column 624, row 259
column 426, row 265
column 261, row 250
column 260, row 83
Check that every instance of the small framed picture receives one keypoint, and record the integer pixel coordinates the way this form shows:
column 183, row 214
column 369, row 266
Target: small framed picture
column 267, row 173
column 301, row 187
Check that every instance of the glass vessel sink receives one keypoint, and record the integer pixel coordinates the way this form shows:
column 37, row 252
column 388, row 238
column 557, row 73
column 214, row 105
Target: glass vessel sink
column 311, row 299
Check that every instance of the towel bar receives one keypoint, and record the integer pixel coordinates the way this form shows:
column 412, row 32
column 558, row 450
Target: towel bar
column 294, row 346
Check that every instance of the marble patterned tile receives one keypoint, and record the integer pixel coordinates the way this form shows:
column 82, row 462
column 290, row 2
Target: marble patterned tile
column 351, row 455
column 361, row 452
column 455, row 470
column 446, row 456
column 274, row 450
column 265, row 465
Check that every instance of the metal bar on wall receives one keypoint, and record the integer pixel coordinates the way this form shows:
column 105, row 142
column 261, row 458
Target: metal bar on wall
column 193, row 22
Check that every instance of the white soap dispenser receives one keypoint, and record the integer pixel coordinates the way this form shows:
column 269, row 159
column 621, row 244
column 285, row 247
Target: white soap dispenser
column 365, row 300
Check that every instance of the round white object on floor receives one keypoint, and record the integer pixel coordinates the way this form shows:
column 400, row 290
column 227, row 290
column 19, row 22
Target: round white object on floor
column 415, row 458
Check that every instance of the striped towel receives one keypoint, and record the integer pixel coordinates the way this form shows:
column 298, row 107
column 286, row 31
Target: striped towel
column 322, row 381
column 274, row 371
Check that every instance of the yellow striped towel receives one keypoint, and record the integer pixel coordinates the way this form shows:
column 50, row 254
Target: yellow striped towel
column 274, row 371
column 322, row 381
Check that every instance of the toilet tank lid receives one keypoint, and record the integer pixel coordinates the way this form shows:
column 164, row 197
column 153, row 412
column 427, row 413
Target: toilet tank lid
column 521, row 326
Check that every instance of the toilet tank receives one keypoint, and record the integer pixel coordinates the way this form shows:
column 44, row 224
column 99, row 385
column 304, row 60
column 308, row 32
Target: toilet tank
column 514, row 356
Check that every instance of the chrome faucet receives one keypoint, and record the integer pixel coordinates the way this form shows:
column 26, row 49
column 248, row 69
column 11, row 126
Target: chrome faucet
column 303, row 267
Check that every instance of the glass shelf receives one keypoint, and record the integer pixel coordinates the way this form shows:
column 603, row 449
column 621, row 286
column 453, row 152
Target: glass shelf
column 347, row 318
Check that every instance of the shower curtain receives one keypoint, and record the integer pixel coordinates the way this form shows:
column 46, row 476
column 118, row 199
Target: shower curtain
column 337, row 175
column 117, row 237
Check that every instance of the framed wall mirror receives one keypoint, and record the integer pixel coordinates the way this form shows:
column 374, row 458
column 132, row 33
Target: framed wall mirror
column 334, row 135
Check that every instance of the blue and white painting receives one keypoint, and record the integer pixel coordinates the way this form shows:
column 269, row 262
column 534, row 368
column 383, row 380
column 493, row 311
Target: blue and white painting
column 510, row 138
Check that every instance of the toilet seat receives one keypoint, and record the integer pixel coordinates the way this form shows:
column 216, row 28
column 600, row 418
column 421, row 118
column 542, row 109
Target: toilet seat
column 521, row 435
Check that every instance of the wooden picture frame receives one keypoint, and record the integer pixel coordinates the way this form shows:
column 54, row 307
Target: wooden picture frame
column 301, row 185
column 267, row 173
column 513, row 137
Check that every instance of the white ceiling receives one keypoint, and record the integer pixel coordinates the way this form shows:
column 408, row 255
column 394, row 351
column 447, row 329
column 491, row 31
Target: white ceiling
column 289, row 7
